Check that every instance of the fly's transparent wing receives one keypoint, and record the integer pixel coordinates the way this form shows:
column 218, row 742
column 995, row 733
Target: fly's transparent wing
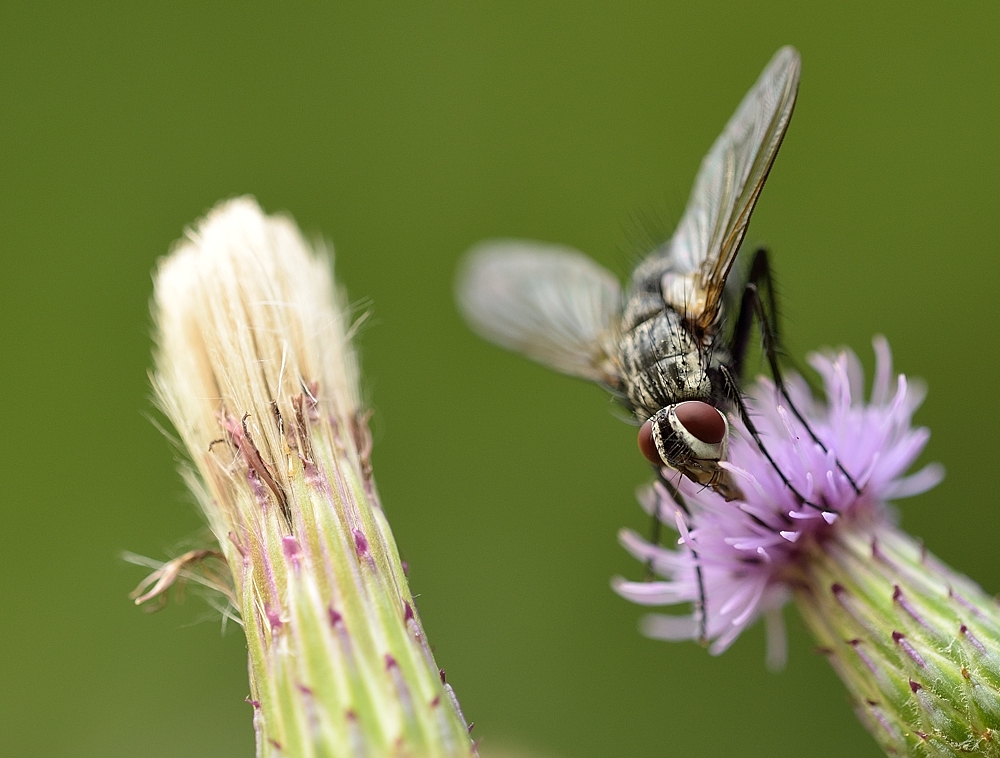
column 726, row 190
column 552, row 304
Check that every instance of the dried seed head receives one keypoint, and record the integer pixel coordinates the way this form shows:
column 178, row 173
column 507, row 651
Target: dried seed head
column 255, row 369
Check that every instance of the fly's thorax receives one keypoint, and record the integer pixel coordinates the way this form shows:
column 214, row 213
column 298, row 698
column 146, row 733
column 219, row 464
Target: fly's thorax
column 662, row 362
column 682, row 293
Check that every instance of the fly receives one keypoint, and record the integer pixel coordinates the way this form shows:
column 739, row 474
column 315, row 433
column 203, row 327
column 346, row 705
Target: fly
column 671, row 346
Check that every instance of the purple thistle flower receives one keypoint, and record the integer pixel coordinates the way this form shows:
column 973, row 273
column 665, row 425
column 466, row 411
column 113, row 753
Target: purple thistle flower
column 914, row 641
column 750, row 551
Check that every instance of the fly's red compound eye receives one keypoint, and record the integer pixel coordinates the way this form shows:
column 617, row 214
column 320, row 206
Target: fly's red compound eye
column 701, row 420
column 646, row 445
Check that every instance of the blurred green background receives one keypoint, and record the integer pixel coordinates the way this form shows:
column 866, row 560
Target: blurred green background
column 404, row 134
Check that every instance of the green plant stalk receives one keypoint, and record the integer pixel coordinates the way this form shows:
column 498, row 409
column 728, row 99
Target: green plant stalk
column 914, row 641
column 255, row 370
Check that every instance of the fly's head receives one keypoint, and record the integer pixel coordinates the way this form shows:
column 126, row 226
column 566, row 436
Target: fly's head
column 690, row 437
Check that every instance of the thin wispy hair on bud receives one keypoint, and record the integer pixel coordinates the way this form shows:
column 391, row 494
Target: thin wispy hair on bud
column 247, row 317
column 209, row 359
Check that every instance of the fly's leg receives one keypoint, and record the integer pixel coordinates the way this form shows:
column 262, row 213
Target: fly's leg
column 656, row 528
column 733, row 390
column 767, row 319
column 759, row 274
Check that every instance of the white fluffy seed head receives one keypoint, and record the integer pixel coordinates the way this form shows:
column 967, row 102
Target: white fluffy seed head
column 246, row 313
column 255, row 369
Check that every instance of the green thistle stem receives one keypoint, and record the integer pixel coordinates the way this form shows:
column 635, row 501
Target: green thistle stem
column 917, row 644
column 337, row 655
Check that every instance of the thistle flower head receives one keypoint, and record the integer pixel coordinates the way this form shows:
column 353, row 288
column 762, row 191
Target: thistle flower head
column 914, row 641
column 749, row 552
column 256, row 371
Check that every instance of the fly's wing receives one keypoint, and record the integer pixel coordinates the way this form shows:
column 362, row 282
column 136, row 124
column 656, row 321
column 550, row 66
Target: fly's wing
column 726, row 190
column 551, row 303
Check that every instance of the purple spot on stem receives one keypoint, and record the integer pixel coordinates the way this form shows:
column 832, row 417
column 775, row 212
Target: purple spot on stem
column 884, row 722
column 292, row 550
column 915, row 686
column 360, row 542
column 972, row 639
column 335, row 618
column 441, row 674
column 964, row 603
column 863, row 655
column 311, row 471
column 258, row 488
column 902, row 602
column 406, row 569
column 436, row 701
column 907, row 648
column 254, row 703
column 403, row 695
column 407, row 611
column 274, row 618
